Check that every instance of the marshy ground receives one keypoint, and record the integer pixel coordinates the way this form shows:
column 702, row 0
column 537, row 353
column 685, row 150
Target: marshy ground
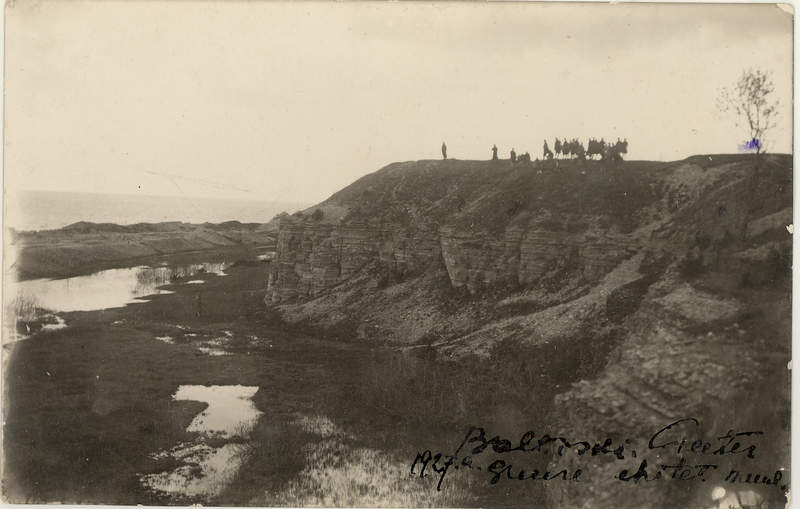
column 91, row 414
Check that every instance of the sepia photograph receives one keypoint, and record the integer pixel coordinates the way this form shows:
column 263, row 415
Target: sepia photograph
column 388, row 254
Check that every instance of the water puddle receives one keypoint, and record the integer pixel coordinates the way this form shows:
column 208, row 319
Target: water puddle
column 205, row 471
column 195, row 282
column 166, row 339
column 60, row 324
column 212, row 351
column 26, row 326
column 204, row 468
column 106, row 289
column 215, row 346
column 230, row 409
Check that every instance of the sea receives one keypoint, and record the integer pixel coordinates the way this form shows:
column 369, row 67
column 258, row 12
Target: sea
column 46, row 210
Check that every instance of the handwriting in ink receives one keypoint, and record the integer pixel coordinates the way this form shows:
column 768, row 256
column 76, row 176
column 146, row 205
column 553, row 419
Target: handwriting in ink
column 680, row 438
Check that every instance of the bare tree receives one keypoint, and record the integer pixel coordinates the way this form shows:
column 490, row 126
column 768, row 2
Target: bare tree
column 751, row 100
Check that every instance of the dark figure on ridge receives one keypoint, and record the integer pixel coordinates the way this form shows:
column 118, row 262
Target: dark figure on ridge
column 494, row 152
column 548, row 154
column 513, row 156
column 444, row 151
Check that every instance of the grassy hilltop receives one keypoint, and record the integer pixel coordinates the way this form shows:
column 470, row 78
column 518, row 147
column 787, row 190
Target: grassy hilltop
column 492, row 195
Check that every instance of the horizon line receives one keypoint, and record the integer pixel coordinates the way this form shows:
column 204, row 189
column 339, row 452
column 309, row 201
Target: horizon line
column 117, row 193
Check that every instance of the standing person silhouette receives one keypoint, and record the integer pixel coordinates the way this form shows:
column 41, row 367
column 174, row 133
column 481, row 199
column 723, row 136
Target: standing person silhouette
column 444, row 151
column 513, row 156
column 494, row 152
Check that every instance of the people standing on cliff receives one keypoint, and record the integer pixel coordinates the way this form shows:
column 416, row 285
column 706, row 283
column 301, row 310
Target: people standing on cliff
column 494, row 152
column 444, row 151
column 513, row 156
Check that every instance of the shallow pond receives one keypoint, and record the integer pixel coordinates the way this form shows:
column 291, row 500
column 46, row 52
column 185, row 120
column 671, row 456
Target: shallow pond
column 106, row 289
column 206, row 467
column 230, row 409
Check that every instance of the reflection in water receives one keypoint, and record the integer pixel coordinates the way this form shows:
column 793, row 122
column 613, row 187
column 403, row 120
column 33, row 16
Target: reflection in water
column 107, row 288
column 204, row 469
column 201, row 268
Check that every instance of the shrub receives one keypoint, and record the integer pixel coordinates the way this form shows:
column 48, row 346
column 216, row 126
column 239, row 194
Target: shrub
column 317, row 215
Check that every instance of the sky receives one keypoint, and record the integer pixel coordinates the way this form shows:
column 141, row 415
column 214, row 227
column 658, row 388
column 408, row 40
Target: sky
column 291, row 102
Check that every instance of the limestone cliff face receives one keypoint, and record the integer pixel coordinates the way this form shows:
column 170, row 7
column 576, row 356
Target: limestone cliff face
column 314, row 257
column 500, row 226
column 523, row 255
column 490, row 223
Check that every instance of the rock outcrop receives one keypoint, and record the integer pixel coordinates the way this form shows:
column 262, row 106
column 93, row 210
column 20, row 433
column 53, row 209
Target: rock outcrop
column 684, row 265
column 514, row 238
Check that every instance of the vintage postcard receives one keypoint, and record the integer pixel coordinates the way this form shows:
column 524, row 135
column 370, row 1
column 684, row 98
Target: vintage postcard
column 426, row 254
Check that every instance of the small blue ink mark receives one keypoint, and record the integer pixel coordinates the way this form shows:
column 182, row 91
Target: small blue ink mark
column 750, row 146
